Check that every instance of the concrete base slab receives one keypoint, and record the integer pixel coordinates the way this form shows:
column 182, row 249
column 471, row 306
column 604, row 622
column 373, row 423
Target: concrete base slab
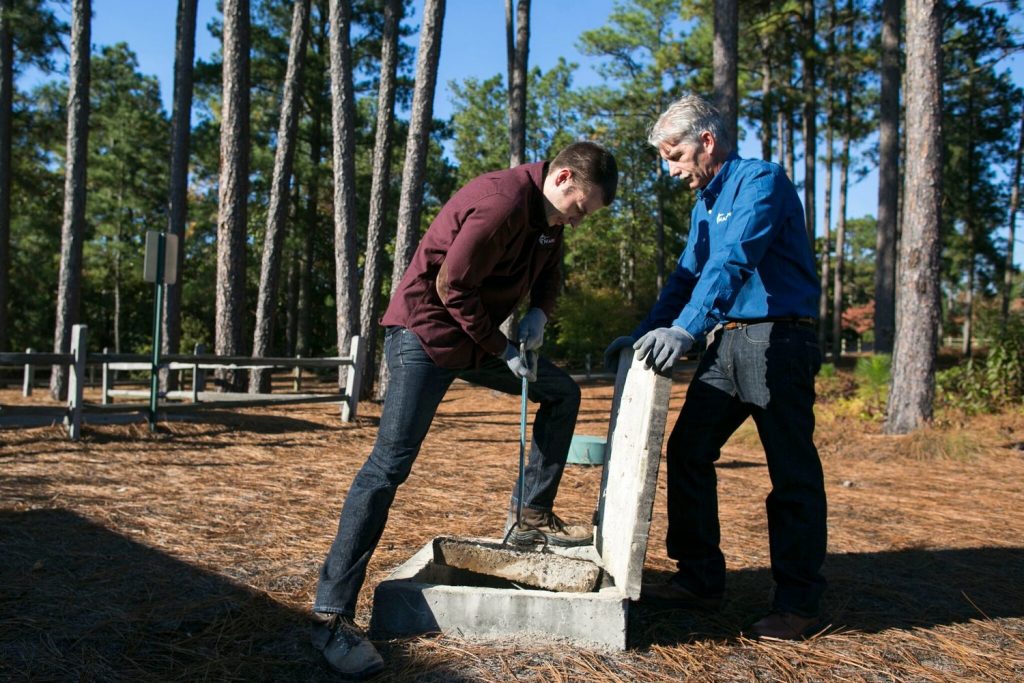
column 425, row 596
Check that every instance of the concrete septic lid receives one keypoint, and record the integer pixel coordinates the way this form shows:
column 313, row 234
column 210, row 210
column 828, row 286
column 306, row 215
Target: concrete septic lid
column 629, row 480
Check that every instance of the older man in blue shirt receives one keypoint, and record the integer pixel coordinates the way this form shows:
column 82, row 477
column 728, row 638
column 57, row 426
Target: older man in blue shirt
column 748, row 270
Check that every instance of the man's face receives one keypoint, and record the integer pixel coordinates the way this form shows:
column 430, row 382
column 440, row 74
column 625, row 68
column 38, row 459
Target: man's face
column 691, row 162
column 568, row 203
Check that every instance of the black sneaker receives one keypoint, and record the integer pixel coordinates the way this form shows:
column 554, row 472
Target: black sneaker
column 344, row 646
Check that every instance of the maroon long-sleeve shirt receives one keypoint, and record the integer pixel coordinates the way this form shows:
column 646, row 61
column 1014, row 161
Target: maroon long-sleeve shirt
column 488, row 248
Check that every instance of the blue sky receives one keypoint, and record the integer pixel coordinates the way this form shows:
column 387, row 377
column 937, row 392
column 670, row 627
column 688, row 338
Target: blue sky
column 473, row 45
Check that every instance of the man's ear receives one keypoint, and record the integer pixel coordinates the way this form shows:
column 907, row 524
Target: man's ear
column 708, row 142
column 564, row 175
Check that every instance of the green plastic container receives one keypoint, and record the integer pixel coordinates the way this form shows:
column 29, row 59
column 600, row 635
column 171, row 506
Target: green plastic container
column 586, row 450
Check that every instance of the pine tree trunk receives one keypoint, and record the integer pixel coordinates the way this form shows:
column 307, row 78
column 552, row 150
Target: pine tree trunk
column 277, row 211
column 73, row 224
column 1012, row 233
column 844, row 175
column 411, row 201
column 343, row 124
column 810, row 113
column 970, row 227
column 888, row 179
column 234, row 188
column 517, row 43
column 840, row 263
column 518, row 56
column 766, row 99
column 827, row 228
column 724, row 64
column 304, row 323
column 917, row 304
column 826, row 245
column 177, row 194
column 6, row 115
column 373, row 270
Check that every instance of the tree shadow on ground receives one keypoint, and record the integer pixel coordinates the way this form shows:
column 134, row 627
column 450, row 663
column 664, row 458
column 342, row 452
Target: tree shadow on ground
column 80, row 602
column 868, row 592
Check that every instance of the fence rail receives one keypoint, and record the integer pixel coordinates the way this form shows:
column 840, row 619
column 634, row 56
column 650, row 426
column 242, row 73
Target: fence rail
column 76, row 410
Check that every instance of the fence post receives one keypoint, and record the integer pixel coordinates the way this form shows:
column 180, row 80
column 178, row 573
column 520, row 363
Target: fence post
column 587, row 365
column 355, row 378
column 76, row 383
column 107, row 379
column 297, row 376
column 30, row 376
column 198, row 374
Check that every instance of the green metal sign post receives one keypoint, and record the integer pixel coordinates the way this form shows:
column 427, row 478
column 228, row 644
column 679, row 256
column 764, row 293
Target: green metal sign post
column 160, row 268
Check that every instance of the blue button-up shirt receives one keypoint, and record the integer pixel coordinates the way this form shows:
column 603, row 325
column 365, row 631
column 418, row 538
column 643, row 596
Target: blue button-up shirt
column 747, row 256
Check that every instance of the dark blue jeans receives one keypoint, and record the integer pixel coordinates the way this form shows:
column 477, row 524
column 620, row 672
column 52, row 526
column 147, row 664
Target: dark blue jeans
column 765, row 371
column 416, row 388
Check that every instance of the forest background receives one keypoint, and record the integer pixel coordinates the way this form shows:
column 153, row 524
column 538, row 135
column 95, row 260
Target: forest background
column 637, row 55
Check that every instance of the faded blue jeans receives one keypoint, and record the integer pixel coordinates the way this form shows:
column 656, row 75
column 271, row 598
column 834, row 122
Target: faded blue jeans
column 416, row 388
column 765, row 371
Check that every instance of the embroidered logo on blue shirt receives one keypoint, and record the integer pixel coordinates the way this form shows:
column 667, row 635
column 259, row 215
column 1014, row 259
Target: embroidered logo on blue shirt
column 546, row 240
column 722, row 217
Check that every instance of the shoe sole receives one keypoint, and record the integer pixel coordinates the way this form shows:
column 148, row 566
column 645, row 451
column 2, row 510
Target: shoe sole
column 531, row 538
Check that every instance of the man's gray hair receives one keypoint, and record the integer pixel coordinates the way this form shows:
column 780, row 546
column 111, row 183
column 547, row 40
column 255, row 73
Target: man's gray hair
column 685, row 120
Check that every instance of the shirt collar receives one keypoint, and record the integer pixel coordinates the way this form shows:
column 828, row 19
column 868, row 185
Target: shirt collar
column 709, row 194
column 537, row 172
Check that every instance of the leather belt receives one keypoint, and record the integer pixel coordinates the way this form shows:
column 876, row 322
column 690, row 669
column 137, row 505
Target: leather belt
column 740, row 324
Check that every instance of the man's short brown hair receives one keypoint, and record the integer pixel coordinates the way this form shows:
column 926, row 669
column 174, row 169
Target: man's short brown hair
column 592, row 165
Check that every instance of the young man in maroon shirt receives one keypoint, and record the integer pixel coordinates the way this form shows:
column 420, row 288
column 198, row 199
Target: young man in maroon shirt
column 495, row 242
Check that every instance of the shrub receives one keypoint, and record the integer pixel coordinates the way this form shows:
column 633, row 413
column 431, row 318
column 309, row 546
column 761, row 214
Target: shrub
column 873, row 374
column 982, row 386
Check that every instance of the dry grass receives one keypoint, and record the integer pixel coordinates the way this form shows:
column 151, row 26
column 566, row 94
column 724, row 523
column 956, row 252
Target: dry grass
column 192, row 553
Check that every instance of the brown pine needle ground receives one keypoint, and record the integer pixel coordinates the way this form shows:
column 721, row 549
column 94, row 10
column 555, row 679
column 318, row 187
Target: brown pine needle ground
column 192, row 553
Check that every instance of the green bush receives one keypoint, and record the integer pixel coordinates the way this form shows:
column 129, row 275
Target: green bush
column 982, row 386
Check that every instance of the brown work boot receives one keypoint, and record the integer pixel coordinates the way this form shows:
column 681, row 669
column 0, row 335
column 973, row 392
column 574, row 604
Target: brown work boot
column 785, row 626
column 538, row 525
column 671, row 594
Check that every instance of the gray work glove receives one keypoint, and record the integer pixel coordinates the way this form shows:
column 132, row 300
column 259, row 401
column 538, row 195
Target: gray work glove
column 531, row 328
column 661, row 347
column 611, row 354
column 520, row 366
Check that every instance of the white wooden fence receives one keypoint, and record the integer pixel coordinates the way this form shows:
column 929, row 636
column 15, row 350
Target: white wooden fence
column 76, row 411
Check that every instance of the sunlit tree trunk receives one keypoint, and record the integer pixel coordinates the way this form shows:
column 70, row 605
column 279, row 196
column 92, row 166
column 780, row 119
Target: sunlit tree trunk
column 379, row 190
column 917, row 305
column 517, row 35
column 724, row 64
column 277, row 211
column 343, row 124
column 888, row 178
column 177, row 194
column 72, row 231
column 411, row 201
column 233, row 187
